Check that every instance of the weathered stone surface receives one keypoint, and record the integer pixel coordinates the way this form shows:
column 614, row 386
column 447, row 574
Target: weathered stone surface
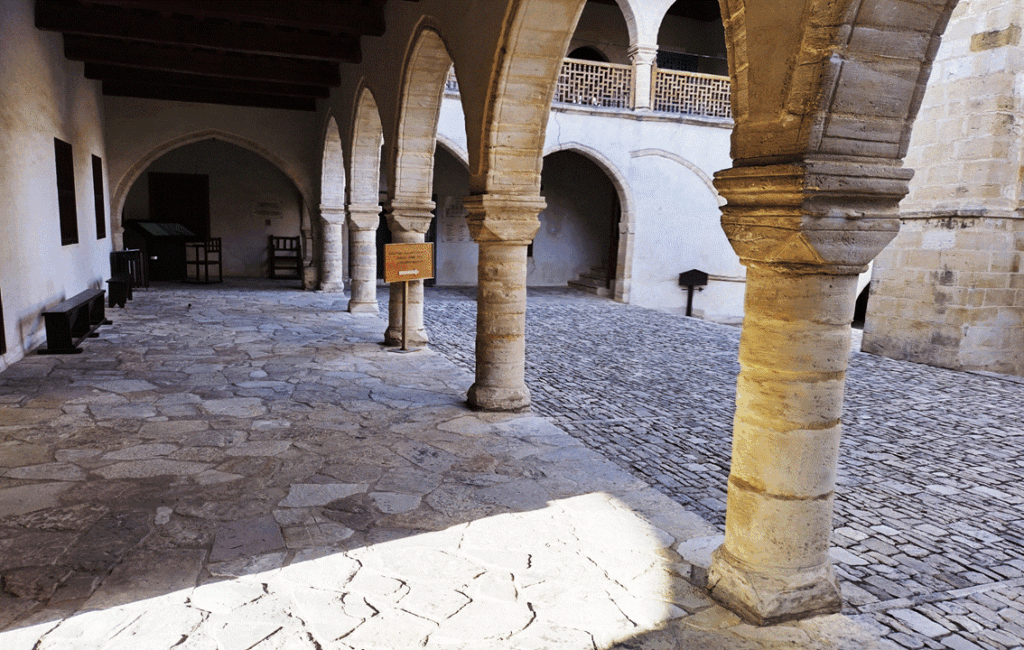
column 246, row 537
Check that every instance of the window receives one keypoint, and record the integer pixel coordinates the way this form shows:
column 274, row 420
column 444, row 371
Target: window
column 3, row 334
column 66, row 192
column 97, row 192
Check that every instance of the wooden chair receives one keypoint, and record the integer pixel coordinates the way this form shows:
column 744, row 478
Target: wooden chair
column 199, row 257
column 284, row 254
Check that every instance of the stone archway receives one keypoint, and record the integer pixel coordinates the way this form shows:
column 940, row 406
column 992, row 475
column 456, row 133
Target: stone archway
column 120, row 193
column 620, row 275
column 215, row 189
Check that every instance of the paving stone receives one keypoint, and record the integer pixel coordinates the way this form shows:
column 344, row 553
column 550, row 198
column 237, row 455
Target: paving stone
column 245, row 538
column 412, row 514
column 919, row 623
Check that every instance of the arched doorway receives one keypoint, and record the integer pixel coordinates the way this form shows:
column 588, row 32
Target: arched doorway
column 577, row 243
column 216, row 189
column 692, row 38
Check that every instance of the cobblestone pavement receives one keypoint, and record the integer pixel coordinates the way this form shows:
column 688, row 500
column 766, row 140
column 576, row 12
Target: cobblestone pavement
column 929, row 525
column 244, row 467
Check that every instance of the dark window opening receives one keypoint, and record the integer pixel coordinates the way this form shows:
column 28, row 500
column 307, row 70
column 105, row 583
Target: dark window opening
column 66, row 192
column 97, row 191
column 588, row 53
column 3, row 334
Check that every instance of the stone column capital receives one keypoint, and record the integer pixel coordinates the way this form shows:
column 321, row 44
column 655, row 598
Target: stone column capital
column 332, row 213
column 364, row 216
column 497, row 218
column 812, row 216
column 642, row 54
column 409, row 215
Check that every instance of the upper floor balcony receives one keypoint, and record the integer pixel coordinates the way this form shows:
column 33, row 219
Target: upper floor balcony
column 612, row 85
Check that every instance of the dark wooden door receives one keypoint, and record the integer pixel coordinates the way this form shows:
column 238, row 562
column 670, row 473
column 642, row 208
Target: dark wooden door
column 181, row 198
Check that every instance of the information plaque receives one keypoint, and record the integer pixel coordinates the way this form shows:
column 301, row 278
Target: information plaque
column 407, row 262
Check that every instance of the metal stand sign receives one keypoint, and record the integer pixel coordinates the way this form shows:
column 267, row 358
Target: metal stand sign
column 406, row 263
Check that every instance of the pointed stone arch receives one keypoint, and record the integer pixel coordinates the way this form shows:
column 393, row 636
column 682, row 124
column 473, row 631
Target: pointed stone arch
column 308, row 209
column 364, row 200
column 627, row 214
column 410, row 151
column 332, row 211
column 365, row 150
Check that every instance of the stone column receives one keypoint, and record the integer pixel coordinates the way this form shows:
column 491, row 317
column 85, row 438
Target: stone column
column 804, row 231
column 363, row 221
column 409, row 221
column 503, row 226
column 309, row 267
column 643, row 58
column 332, row 272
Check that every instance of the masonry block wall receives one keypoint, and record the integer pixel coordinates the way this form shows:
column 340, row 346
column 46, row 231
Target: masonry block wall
column 948, row 290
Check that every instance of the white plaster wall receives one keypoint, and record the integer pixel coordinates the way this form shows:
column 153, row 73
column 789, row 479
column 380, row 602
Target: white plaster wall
column 43, row 96
column 136, row 128
column 238, row 179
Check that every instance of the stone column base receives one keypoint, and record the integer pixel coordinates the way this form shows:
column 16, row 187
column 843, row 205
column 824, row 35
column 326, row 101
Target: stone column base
column 417, row 337
column 770, row 598
column 495, row 398
column 332, row 287
column 357, row 307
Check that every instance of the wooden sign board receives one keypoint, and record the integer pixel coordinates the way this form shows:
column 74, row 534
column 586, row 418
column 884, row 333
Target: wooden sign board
column 405, row 262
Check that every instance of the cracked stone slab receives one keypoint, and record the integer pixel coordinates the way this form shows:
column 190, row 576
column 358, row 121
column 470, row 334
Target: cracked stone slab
column 29, row 498
column 255, row 536
column 151, row 468
column 315, row 494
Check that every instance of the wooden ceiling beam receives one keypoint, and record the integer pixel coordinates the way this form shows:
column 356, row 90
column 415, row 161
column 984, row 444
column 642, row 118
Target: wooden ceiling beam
column 200, row 61
column 72, row 17
column 359, row 17
column 104, row 72
column 172, row 93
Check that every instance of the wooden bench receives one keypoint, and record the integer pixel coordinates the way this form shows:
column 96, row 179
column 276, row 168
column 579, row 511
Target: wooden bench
column 68, row 323
column 284, row 254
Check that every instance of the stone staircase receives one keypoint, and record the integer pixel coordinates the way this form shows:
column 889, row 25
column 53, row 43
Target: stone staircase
column 594, row 281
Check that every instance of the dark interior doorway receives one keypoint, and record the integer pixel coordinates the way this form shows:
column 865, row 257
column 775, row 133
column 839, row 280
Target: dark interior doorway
column 182, row 199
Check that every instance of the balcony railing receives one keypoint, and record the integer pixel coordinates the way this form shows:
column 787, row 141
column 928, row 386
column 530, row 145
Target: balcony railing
column 610, row 85
column 691, row 93
column 595, row 84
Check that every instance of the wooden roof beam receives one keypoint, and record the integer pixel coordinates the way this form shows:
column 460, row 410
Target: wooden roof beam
column 74, row 18
column 359, row 17
column 104, row 72
column 201, row 62
column 171, row 93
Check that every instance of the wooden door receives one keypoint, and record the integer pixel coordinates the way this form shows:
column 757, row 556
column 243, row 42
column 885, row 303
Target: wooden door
column 181, row 198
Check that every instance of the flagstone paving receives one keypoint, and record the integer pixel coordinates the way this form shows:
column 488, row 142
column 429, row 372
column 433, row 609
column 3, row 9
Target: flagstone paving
column 243, row 466
column 929, row 525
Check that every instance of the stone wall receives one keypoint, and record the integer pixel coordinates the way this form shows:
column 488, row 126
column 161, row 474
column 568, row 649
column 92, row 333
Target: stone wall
column 948, row 291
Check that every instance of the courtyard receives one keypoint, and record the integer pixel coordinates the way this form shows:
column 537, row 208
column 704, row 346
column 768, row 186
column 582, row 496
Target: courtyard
column 244, row 466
